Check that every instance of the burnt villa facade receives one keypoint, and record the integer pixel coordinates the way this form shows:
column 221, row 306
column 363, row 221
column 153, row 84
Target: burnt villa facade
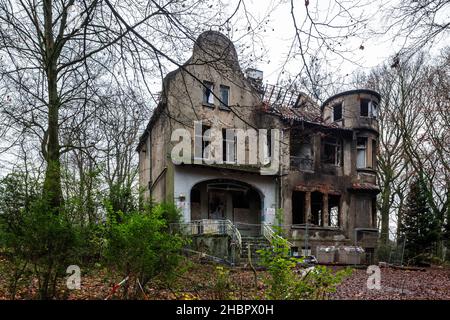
column 325, row 180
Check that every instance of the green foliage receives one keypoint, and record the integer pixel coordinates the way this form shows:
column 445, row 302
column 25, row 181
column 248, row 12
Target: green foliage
column 139, row 246
column 284, row 283
column 418, row 226
column 121, row 199
column 35, row 236
column 222, row 285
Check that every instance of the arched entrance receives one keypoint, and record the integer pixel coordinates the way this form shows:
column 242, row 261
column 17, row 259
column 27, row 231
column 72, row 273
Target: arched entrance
column 229, row 199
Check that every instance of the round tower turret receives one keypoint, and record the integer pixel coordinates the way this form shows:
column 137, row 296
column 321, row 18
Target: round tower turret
column 354, row 109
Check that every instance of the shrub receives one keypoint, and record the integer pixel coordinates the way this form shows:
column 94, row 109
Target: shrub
column 140, row 246
column 284, row 283
column 34, row 236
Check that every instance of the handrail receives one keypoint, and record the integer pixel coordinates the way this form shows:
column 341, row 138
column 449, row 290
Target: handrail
column 269, row 234
column 209, row 226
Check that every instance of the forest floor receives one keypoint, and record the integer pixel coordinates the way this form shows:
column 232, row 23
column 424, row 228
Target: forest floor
column 202, row 281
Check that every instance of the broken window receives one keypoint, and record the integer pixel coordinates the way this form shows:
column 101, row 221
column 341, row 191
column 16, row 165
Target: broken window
column 369, row 108
column 208, row 97
column 224, row 96
column 337, row 112
column 302, row 152
column 364, row 107
column 332, row 151
column 361, row 148
column 333, row 210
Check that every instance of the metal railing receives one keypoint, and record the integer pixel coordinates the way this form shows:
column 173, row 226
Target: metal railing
column 270, row 235
column 208, row 226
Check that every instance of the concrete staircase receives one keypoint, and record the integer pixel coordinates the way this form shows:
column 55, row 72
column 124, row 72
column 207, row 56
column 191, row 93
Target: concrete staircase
column 256, row 243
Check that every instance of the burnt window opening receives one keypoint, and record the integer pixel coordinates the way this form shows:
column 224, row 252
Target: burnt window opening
column 337, row 112
column 298, row 207
column 361, row 152
column 224, row 96
column 334, row 202
column 302, row 152
column 332, row 151
column 364, row 107
column 208, row 97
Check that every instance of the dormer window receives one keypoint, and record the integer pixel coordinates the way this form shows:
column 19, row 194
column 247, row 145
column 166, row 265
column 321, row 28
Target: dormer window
column 337, row 112
column 208, row 97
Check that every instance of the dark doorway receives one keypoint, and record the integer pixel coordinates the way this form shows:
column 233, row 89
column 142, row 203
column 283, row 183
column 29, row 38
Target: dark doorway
column 298, row 207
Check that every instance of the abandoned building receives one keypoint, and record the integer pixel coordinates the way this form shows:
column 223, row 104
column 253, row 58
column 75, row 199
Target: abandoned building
column 324, row 189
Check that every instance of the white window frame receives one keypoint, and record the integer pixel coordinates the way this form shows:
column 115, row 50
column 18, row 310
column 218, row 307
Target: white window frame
column 361, row 148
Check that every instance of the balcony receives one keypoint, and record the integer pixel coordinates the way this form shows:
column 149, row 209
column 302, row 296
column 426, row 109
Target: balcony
column 302, row 163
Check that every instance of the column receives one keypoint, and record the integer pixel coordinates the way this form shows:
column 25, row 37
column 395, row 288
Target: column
column 325, row 213
column 307, row 210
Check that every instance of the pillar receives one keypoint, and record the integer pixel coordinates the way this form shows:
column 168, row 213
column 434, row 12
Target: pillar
column 307, row 210
column 325, row 213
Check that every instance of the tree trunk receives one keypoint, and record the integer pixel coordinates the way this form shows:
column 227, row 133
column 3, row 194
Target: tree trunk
column 52, row 183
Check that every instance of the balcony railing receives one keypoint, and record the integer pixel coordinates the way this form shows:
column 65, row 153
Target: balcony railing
column 302, row 163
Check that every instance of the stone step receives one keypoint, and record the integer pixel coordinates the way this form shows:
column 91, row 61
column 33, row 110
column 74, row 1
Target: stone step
column 256, row 243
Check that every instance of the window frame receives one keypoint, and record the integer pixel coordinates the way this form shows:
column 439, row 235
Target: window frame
column 208, row 93
column 337, row 146
column 360, row 147
column 223, row 105
column 361, row 107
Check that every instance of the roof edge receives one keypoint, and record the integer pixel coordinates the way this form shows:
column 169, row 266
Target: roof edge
column 349, row 92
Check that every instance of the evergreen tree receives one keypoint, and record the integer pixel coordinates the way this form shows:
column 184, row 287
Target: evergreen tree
column 419, row 228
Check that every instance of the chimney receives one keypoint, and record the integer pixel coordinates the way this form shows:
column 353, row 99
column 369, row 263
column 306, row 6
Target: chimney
column 256, row 79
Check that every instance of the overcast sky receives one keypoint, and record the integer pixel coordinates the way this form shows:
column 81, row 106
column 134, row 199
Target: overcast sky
column 373, row 44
